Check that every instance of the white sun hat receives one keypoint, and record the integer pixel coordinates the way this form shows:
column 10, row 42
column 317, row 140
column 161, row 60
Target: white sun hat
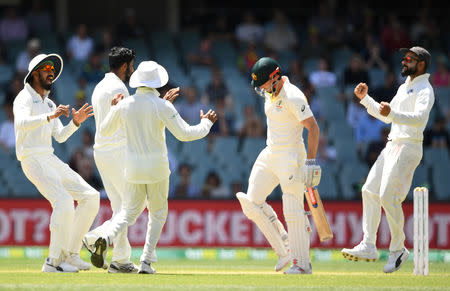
column 38, row 60
column 149, row 74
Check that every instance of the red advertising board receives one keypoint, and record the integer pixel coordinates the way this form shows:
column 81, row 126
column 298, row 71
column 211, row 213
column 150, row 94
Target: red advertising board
column 217, row 224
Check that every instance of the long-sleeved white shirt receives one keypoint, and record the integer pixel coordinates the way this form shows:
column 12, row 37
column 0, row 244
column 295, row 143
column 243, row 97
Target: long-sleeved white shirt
column 144, row 117
column 32, row 129
column 102, row 96
column 410, row 109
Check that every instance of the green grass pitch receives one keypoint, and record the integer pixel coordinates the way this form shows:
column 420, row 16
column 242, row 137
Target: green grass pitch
column 25, row 274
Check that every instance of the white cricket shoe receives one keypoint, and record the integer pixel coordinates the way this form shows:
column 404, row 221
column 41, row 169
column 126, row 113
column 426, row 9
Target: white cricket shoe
column 396, row 260
column 363, row 252
column 63, row 267
column 146, row 268
column 75, row 260
column 117, row 267
column 294, row 270
column 282, row 262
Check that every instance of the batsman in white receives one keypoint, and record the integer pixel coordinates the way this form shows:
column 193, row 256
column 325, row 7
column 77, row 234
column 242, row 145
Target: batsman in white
column 143, row 118
column 109, row 151
column 390, row 178
column 284, row 161
column 36, row 120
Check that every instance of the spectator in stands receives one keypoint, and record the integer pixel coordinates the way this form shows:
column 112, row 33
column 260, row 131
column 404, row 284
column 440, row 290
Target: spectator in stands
column 388, row 89
column 12, row 26
column 130, row 28
column 224, row 124
column 437, row 136
column 313, row 47
column 216, row 90
column 237, row 186
column 314, row 102
column 86, row 169
column 190, row 106
column 323, row 20
column 296, row 73
column 355, row 112
column 323, row 76
column 376, row 146
column 249, row 30
column 24, row 58
column 75, row 159
column 393, row 35
column 374, row 54
column 251, row 125
column 15, row 86
column 220, row 29
column 38, row 18
column 80, row 45
column 355, row 72
column 203, row 54
column 247, row 58
column 213, row 188
column 279, row 34
column 441, row 77
column 87, row 143
column 326, row 152
column 367, row 130
column 7, row 137
column 185, row 188
column 94, row 70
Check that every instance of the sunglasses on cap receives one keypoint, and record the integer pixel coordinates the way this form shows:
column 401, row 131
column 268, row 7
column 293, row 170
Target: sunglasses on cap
column 47, row 68
column 409, row 59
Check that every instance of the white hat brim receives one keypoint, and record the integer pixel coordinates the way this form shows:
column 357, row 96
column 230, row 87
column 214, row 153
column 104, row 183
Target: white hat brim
column 163, row 77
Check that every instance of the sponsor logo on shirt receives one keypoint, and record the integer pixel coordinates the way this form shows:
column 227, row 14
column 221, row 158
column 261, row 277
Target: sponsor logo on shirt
column 278, row 105
column 50, row 105
column 173, row 116
column 410, row 91
column 303, row 108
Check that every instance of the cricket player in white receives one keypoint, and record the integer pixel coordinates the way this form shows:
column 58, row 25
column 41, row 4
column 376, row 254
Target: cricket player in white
column 283, row 162
column 109, row 151
column 36, row 120
column 390, row 178
column 143, row 118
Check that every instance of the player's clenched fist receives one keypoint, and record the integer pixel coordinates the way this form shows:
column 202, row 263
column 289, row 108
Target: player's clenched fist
column 361, row 90
column 385, row 108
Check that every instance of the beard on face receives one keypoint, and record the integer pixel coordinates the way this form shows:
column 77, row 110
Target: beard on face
column 409, row 71
column 43, row 83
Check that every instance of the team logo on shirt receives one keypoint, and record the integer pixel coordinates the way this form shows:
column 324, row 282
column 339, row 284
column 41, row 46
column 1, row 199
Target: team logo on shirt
column 50, row 105
column 254, row 77
column 303, row 108
column 278, row 104
column 410, row 91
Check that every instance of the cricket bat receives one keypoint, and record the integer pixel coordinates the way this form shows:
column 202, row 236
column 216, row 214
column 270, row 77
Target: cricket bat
column 318, row 213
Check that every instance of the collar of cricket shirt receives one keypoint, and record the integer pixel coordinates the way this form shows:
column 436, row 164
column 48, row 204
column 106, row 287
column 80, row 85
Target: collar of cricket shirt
column 147, row 90
column 35, row 95
column 418, row 79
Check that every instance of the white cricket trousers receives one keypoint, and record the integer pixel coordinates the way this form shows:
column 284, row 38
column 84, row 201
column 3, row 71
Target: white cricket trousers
column 60, row 185
column 284, row 167
column 109, row 164
column 387, row 185
column 136, row 198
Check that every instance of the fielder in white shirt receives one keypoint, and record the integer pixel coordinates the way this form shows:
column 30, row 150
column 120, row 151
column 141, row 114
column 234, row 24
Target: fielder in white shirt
column 390, row 178
column 36, row 122
column 109, row 151
column 283, row 162
column 143, row 118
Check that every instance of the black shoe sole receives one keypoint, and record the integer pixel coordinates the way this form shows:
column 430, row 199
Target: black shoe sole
column 97, row 258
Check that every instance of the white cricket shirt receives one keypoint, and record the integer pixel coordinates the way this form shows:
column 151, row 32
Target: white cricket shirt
column 144, row 117
column 410, row 109
column 101, row 102
column 284, row 114
column 32, row 130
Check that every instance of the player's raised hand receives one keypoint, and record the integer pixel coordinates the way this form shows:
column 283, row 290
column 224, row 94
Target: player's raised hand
column 82, row 114
column 211, row 115
column 385, row 108
column 116, row 99
column 61, row 110
column 172, row 94
column 361, row 90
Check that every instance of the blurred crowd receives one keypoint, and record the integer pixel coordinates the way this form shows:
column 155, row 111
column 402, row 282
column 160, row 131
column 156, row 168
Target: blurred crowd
column 326, row 55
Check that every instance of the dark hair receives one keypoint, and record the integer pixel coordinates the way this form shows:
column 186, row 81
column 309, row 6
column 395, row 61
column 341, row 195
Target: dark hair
column 120, row 55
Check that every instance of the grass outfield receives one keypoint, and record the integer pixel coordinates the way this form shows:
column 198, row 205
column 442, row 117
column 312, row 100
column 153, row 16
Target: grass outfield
column 24, row 274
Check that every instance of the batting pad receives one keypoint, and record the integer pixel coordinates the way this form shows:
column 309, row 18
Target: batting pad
column 264, row 222
column 298, row 230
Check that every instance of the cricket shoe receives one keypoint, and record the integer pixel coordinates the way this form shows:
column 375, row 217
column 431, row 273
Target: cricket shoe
column 117, row 267
column 294, row 269
column 396, row 260
column 98, row 252
column 146, row 268
column 63, row 267
column 282, row 262
column 75, row 260
column 362, row 252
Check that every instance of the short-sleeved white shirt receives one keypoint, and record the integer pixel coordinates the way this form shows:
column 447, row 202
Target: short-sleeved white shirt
column 284, row 114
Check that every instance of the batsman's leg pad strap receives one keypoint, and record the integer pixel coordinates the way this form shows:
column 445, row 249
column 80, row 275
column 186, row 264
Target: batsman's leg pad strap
column 264, row 222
